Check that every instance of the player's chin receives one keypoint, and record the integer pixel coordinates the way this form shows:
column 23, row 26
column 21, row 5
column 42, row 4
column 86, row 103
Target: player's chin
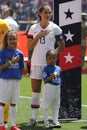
column 12, row 47
column 52, row 64
column 48, row 18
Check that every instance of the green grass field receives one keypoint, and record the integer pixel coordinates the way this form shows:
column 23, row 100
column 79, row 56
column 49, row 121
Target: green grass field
column 24, row 112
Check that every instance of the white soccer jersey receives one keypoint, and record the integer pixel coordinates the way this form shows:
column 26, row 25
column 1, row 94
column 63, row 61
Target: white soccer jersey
column 44, row 43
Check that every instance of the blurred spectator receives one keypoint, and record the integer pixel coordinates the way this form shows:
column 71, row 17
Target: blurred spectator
column 3, row 28
column 8, row 17
column 3, row 5
column 24, row 9
column 84, row 6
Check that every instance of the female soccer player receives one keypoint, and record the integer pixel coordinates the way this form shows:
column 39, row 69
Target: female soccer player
column 42, row 37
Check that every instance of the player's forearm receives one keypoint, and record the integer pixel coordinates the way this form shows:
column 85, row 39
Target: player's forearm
column 61, row 46
column 10, row 62
column 49, row 78
column 32, row 42
column 6, row 65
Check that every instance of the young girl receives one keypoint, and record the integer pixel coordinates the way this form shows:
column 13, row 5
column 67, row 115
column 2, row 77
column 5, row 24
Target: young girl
column 11, row 66
column 51, row 90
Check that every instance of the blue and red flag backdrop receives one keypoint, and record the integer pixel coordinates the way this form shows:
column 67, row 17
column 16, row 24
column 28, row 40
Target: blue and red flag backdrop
column 67, row 14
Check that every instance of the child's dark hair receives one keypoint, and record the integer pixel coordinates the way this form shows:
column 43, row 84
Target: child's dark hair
column 5, row 39
column 52, row 51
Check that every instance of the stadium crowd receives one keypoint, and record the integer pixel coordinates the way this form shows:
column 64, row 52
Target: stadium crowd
column 84, row 6
column 27, row 9
column 23, row 9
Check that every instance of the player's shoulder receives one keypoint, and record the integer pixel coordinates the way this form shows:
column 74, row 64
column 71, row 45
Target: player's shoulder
column 53, row 24
column 3, row 51
column 35, row 25
column 19, row 51
column 58, row 67
column 4, row 25
column 46, row 67
column 2, row 22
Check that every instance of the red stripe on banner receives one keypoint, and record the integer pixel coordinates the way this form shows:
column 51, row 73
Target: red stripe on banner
column 70, row 57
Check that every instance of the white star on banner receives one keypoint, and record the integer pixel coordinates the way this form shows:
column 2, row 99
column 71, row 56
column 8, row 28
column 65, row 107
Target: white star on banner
column 69, row 36
column 69, row 58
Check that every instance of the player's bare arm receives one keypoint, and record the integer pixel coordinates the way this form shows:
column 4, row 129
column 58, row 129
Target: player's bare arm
column 32, row 42
column 15, row 59
column 10, row 62
column 61, row 46
column 54, row 75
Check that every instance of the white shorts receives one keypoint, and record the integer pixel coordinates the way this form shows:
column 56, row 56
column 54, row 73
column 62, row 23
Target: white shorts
column 36, row 72
column 50, row 96
column 9, row 90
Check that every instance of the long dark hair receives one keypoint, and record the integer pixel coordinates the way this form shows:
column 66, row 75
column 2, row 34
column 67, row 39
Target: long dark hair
column 41, row 8
column 5, row 39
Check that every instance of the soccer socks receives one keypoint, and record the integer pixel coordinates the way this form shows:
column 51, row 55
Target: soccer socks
column 34, row 112
column 55, row 113
column 35, row 104
column 13, row 114
column 45, row 114
column 1, row 115
column 6, row 112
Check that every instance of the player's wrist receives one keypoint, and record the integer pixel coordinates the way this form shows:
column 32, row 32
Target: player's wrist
column 10, row 62
column 55, row 74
